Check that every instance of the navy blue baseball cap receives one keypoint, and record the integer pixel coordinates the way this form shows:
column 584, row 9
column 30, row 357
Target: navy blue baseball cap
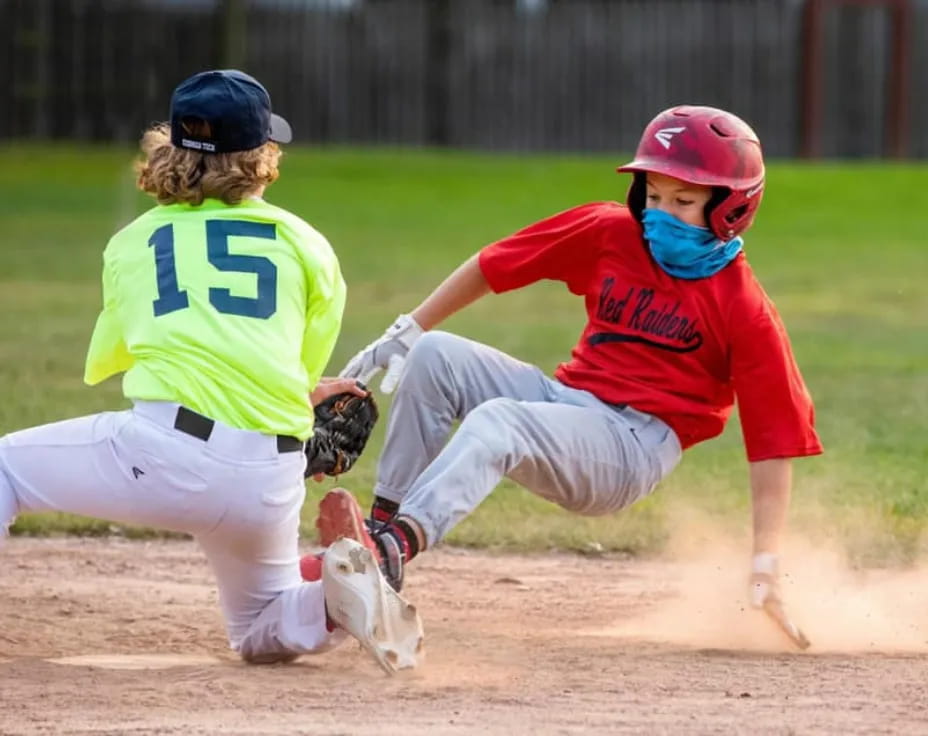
column 235, row 105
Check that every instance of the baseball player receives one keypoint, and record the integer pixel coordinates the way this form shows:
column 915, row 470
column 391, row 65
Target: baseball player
column 678, row 328
column 222, row 311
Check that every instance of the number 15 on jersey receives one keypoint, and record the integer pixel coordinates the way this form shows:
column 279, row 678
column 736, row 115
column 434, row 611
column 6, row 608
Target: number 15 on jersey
column 170, row 296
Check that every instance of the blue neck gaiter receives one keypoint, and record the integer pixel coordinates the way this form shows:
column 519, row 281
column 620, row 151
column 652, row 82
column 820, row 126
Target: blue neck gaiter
column 686, row 251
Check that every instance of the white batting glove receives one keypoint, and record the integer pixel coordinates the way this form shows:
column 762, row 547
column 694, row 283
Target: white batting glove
column 387, row 352
column 764, row 586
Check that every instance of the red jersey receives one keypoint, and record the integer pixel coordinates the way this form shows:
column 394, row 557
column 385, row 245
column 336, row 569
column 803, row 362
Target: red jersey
column 679, row 349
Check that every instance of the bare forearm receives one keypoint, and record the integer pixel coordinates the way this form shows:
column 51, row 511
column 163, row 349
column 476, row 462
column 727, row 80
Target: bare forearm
column 771, row 482
column 464, row 286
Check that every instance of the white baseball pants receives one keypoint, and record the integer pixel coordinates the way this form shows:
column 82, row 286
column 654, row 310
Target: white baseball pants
column 234, row 493
column 561, row 443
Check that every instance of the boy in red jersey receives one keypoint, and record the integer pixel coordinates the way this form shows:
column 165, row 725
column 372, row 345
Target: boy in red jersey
column 678, row 329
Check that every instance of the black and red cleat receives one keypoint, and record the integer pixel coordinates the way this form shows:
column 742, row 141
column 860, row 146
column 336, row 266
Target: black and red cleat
column 341, row 516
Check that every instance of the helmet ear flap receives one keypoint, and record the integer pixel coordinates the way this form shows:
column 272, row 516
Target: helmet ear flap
column 719, row 195
column 636, row 195
column 733, row 212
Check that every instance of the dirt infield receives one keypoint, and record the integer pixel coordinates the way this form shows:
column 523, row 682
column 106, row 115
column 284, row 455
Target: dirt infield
column 113, row 637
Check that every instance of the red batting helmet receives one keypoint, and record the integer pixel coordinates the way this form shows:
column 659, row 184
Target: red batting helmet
column 708, row 146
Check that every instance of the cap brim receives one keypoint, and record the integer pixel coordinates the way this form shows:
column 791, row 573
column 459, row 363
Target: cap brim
column 280, row 130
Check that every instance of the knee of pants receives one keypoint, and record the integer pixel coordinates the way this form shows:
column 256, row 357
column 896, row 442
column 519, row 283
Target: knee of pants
column 496, row 422
column 430, row 359
column 267, row 658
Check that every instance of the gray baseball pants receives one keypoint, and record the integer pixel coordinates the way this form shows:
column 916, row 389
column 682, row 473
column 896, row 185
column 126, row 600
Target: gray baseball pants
column 560, row 443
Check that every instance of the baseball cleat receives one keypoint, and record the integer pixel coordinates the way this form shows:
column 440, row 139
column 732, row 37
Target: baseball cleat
column 339, row 516
column 360, row 601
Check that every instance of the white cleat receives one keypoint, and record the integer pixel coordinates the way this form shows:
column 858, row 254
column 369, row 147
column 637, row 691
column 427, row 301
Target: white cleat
column 360, row 601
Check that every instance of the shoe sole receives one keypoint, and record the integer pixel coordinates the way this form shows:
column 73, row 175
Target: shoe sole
column 390, row 629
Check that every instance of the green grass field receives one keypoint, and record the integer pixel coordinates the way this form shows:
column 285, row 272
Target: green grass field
column 842, row 249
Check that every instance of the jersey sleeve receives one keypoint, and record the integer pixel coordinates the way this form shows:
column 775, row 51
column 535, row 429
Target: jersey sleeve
column 107, row 354
column 776, row 410
column 325, row 307
column 559, row 248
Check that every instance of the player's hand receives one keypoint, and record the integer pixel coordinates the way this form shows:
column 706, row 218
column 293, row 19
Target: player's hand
column 329, row 386
column 765, row 587
column 387, row 352
column 765, row 595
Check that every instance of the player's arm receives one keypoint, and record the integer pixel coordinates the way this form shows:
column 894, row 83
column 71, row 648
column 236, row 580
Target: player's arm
column 463, row 287
column 554, row 248
column 557, row 248
column 777, row 422
column 771, row 483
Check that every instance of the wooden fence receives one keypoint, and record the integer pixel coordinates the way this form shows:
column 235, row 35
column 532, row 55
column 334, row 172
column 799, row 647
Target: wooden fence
column 836, row 78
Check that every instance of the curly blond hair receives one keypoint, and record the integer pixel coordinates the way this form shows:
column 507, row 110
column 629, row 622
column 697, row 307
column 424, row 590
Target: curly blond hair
column 173, row 175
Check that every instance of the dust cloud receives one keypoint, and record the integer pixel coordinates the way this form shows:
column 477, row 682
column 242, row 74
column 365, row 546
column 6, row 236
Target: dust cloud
column 704, row 603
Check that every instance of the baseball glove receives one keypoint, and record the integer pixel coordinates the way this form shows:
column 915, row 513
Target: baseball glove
column 344, row 423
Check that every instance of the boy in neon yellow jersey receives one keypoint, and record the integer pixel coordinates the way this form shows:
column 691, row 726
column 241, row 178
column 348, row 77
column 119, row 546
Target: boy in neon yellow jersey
column 222, row 310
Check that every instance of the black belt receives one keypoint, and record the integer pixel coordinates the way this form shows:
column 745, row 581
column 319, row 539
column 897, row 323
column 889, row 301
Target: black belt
column 196, row 425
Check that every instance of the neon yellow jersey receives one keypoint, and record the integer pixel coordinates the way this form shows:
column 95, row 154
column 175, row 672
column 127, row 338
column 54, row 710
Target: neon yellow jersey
column 232, row 311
